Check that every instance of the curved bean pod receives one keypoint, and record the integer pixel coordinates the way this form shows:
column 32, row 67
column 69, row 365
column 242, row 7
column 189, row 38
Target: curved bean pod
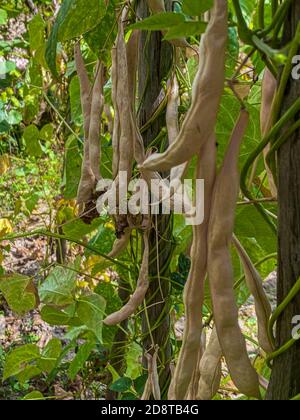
column 210, row 369
column 262, row 305
column 194, row 290
column 220, row 268
column 139, row 295
column 207, row 91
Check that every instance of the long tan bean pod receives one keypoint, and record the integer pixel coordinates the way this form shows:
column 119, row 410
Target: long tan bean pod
column 269, row 87
column 210, row 369
column 220, row 268
column 148, row 386
column 262, row 305
column 139, row 295
column 124, row 107
column 173, row 125
column 194, row 290
column 116, row 126
column 132, row 62
column 120, row 244
column 95, row 122
column 208, row 87
column 87, row 181
column 155, row 377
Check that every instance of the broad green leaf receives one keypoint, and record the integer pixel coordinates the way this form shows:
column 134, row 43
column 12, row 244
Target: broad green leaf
column 6, row 67
column 54, row 316
column 250, row 224
column 196, row 7
column 73, row 163
column 51, row 47
column 34, row 396
column 46, row 132
column 185, row 30
column 80, row 18
column 121, row 385
column 49, row 355
column 76, row 111
column 161, row 21
column 103, row 35
column 3, row 17
column 80, row 359
column 28, row 373
column 227, row 117
column 58, row 287
column 31, row 137
column 103, row 240
column 14, row 117
column 114, row 303
column 78, row 229
column 19, row 292
column 133, row 357
column 36, row 29
column 91, row 310
column 18, row 359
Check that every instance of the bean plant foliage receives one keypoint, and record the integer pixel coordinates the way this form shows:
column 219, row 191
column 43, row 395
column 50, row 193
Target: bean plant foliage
column 69, row 83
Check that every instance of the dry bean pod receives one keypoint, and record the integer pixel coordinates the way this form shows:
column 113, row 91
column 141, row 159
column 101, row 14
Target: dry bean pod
column 120, row 244
column 173, row 125
column 87, row 181
column 262, row 305
column 210, row 369
column 194, row 290
column 139, row 295
column 95, row 122
column 220, row 268
column 208, row 87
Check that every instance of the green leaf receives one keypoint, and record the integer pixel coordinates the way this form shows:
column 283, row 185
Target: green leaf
column 90, row 310
column 3, row 17
column 31, row 137
column 78, row 229
column 54, row 316
column 7, row 67
column 28, row 373
column 159, row 22
column 114, row 303
column 80, row 359
column 73, row 163
column 46, row 132
column 51, row 47
column 18, row 360
column 50, row 354
column 14, row 117
column 227, row 117
column 80, row 19
column 185, row 30
column 76, row 111
column 36, row 29
column 19, row 292
column 196, row 7
column 121, row 385
column 103, row 241
column 104, row 34
column 34, row 396
column 58, row 287
column 250, row 224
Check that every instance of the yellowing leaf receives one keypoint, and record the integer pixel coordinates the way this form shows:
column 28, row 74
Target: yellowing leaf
column 4, row 164
column 5, row 227
column 106, row 278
